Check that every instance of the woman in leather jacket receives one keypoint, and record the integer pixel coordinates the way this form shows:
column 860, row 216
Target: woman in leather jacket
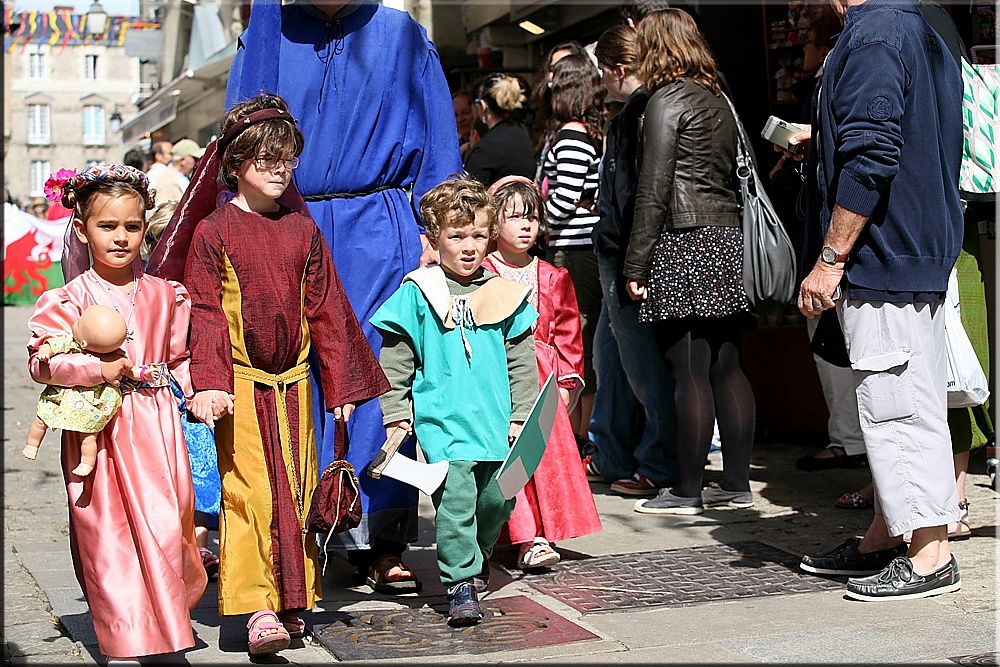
column 684, row 262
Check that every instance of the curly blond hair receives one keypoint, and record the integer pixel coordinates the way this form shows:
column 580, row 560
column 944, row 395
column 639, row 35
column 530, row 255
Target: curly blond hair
column 454, row 203
column 155, row 224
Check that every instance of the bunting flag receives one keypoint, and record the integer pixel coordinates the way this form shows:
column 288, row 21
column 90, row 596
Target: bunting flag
column 20, row 32
column 33, row 20
column 69, row 32
column 54, row 22
column 66, row 29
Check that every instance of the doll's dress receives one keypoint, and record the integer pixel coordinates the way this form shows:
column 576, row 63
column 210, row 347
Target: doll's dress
column 79, row 409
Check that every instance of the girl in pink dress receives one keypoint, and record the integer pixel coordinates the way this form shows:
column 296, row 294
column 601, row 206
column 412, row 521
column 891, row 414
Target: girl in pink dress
column 131, row 522
column 557, row 503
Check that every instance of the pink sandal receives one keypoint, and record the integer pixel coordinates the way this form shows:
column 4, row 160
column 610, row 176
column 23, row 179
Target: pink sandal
column 266, row 635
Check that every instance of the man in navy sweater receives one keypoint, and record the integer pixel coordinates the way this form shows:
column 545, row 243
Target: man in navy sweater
column 889, row 142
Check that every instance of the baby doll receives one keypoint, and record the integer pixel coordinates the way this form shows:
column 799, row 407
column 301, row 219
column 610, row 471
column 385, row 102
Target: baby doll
column 100, row 330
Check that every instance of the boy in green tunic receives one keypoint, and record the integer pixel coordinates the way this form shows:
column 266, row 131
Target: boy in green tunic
column 457, row 345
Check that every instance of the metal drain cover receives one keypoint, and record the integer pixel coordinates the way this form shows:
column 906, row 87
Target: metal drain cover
column 678, row 577
column 977, row 659
column 510, row 624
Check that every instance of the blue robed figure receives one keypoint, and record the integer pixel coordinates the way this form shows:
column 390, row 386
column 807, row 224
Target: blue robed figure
column 368, row 92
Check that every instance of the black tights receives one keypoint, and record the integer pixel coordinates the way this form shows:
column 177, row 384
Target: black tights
column 708, row 385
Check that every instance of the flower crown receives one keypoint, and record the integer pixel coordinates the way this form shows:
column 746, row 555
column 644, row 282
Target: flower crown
column 56, row 184
column 65, row 180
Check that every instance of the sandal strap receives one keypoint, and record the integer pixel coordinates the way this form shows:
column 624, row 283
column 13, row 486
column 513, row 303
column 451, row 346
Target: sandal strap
column 534, row 551
column 379, row 569
column 385, row 562
column 264, row 613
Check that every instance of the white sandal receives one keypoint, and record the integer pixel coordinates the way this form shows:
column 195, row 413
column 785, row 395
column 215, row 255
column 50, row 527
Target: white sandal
column 536, row 554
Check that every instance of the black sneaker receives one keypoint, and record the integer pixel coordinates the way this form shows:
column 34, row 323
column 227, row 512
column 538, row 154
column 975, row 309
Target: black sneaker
column 465, row 609
column 846, row 559
column 898, row 581
column 840, row 459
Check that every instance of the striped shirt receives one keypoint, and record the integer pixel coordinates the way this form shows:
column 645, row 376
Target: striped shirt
column 571, row 166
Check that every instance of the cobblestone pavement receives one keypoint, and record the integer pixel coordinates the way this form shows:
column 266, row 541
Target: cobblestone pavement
column 46, row 620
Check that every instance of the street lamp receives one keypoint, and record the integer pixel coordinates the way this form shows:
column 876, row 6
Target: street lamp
column 97, row 18
column 115, row 120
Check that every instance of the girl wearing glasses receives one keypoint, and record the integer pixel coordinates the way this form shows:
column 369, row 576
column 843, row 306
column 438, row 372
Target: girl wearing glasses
column 264, row 295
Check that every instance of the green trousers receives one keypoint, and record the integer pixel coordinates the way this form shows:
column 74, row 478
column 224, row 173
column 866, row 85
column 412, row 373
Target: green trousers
column 470, row 511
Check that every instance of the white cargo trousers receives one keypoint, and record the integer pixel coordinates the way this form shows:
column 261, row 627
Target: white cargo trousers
column 897, row 353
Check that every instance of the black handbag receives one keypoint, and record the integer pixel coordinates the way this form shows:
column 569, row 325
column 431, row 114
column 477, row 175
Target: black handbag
column 769, row 273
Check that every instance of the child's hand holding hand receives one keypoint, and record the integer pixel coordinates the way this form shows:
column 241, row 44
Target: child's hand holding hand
column 343, row 412
column 223, row 404
column 515, row 430
column 209, row 405
column 114, row 371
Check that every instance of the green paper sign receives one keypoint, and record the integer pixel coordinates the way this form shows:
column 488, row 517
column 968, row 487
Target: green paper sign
column 526, row 454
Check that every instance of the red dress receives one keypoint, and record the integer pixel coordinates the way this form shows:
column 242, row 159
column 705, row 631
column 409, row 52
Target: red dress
column 557, row 503
column 264, row 295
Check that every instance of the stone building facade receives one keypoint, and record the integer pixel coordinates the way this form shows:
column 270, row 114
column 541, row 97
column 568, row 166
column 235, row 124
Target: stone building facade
column 61, row 91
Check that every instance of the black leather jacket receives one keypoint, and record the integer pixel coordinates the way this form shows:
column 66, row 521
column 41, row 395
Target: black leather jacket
column 687, row 176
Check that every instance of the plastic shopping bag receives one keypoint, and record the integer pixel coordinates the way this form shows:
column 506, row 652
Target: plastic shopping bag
column 967, row 384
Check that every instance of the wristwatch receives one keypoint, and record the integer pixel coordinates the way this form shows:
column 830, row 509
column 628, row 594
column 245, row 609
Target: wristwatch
column 830, row 256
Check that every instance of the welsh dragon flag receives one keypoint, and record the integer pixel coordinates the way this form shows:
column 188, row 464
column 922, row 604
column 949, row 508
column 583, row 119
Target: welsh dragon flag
column 32, row 249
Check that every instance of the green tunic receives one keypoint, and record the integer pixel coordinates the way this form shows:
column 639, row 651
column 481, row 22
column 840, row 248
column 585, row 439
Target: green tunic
column 461, row 379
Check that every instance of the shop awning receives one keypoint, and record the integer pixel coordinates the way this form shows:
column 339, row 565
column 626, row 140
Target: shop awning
column 160, row 108
column 150, row 119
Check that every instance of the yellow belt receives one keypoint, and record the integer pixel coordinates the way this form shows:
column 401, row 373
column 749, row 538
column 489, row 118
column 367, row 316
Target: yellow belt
column 280, row 384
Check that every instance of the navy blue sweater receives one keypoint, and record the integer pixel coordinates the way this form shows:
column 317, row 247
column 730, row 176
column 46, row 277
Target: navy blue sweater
column 890, row 147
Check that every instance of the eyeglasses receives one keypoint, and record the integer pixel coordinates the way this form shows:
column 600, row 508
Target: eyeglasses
column 268, row 164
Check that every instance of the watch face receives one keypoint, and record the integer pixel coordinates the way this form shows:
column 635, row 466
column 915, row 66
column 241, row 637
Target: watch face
column 828, row 255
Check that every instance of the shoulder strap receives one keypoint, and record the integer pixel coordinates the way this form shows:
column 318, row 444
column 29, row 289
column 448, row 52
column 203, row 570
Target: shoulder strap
column 745, row 162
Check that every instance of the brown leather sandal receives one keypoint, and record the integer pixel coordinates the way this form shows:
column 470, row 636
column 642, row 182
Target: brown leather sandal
column 378, row 576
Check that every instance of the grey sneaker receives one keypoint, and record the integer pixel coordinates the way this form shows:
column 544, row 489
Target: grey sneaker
column 667, row 503
column 714, row 495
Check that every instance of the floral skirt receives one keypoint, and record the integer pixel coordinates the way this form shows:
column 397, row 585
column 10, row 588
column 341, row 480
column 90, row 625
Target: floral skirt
column 696, row 272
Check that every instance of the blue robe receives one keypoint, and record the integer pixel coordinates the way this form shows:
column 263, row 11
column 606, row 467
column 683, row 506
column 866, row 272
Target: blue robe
column 372, row 101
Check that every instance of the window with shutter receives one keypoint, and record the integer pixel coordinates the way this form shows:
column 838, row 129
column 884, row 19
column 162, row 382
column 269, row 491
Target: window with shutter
column 90, row 68
column 36, row 65
column 40, row 170
column 93, row 125
column 38, row 124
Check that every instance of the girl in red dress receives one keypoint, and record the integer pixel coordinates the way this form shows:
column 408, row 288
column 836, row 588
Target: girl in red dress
column 557, row 503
